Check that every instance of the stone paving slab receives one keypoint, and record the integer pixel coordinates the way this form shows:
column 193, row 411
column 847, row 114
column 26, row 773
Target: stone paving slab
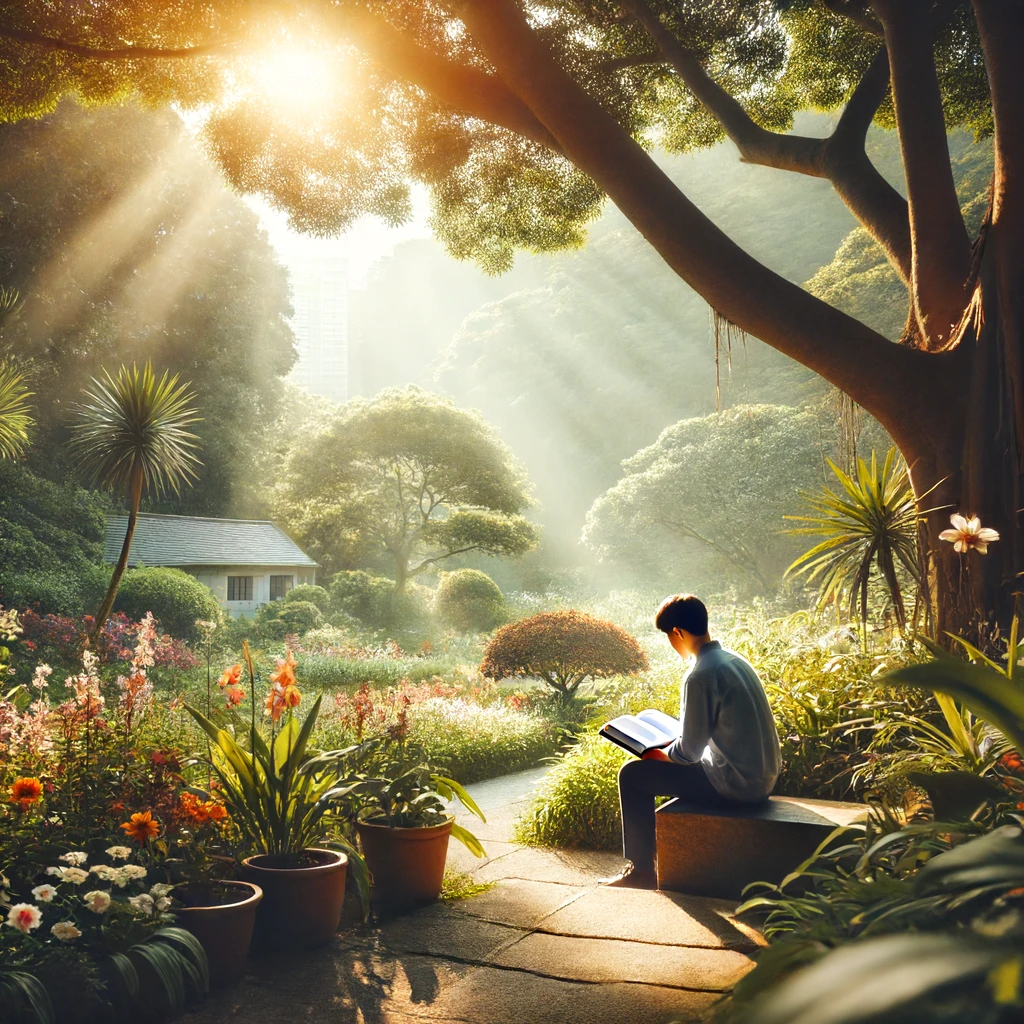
column 489, row 996
column 460, row 859
column 567, row 867
column 516, row 901
column 437, row 931
column 615, row 960
column 643, row 916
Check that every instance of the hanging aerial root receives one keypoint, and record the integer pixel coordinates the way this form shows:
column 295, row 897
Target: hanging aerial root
column 723, row 328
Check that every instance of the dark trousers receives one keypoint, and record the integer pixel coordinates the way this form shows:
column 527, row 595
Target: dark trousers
column 639, row 783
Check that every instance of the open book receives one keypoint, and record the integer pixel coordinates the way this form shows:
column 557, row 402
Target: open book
column 643, row 732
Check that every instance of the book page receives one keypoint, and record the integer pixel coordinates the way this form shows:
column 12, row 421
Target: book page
column 664, row 724
column 634, row 728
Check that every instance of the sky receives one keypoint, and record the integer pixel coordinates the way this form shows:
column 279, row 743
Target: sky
column 364, row 244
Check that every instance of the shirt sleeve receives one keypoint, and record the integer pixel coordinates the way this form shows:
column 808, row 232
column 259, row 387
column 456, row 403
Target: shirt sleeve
column 696, row 719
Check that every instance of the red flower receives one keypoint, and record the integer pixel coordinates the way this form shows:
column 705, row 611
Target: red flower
column 25, row 792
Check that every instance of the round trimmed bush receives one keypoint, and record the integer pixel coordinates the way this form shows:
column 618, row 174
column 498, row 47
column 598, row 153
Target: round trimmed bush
column 174, row 597
column 563, row 649
column 298, row 616
column 469, row 600
column 311, row 593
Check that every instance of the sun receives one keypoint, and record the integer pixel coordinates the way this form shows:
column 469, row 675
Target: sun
column 296, row 80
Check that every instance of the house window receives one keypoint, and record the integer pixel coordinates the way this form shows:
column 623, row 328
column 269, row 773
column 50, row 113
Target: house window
column 239, row 588
column 280, row 585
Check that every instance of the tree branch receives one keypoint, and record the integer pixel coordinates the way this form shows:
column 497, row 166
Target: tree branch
column 840, row 159
column 940, row 248
column 464, row 88
column 882, row 377
column 126, row 52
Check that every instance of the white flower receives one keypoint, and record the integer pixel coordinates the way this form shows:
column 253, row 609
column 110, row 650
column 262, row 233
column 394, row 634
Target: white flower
column 162, row 904
column 24, row 917
column 104, row 872
column 98, row 901
column 143, row 904
column 119, row 852
column 76, row 876
column 65, row 931
column 45, row 892
column 969, row 533
column 76, row 858
column 133, row 871
column 160, row 889
column 54, row 871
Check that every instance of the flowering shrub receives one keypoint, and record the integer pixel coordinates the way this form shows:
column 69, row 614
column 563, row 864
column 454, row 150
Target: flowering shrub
column 61, row 639
column 563, row 649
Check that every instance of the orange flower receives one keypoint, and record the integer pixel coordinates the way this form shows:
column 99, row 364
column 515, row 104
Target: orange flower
column 201, row 811
column 26, row 791
column 142, row 827
column 231, row 677
column 285, row 674
column 233, row 696
column 280, row 698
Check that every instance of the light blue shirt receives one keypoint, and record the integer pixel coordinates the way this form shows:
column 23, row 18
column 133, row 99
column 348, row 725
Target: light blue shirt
column 727, row 726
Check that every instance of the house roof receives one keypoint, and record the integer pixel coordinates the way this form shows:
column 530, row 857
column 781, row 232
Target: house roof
column 195, row 540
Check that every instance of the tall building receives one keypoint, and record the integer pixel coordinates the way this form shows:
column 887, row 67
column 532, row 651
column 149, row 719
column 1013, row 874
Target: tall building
column 320, row 323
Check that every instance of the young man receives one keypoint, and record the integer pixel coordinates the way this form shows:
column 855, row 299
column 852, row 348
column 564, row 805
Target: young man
column 728, row 748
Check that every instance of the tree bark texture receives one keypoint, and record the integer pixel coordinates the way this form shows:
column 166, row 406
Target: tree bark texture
column 134, row 501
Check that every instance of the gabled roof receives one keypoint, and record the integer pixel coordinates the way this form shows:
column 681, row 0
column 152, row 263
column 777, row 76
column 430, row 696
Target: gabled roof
column 195, row 540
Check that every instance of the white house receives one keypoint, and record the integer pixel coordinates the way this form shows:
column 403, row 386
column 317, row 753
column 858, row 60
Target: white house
column 245, row 562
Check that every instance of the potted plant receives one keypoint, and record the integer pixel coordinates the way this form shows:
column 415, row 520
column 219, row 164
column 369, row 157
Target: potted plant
column 404, row 824
column 220, row 912
column 279, row 794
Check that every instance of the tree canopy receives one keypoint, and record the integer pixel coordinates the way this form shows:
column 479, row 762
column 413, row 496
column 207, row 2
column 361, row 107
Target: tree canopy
column 521, row 118
column 124, row 244
column 405, row 480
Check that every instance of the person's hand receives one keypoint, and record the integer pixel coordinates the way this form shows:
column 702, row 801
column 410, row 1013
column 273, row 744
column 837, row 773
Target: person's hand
column 657, row 754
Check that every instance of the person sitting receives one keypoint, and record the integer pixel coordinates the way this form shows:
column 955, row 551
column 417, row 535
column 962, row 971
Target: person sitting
column 728, row 748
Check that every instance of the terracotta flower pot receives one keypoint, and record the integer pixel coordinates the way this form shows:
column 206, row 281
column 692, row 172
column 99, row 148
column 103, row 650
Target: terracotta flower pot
column 301, row 905
column 221, row 917
column 407, row 864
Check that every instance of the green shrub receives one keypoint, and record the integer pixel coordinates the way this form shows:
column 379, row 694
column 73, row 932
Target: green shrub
column 578, row 800
column 374, row 601
column 313, row 594
column 333, row 672
column 327, row 639
column 469, row 600
column 297, row 616
column 174, row 597
column 361, row 595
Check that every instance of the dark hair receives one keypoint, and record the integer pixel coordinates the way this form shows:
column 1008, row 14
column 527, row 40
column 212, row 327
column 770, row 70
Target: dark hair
column 682, row 611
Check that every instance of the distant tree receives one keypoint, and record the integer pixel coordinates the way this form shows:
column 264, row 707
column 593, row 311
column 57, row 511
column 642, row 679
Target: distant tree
column 725, row 481
column 563, row 649
column 407, row 480
column 131, row 435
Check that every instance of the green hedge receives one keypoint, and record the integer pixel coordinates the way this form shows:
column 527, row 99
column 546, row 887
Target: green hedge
column 174, row 597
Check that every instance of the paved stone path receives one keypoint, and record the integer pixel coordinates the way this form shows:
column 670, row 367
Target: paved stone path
column 545, row 945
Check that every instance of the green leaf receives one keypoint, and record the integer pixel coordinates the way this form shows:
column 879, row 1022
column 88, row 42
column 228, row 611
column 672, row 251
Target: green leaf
column 468, row 840
column 464, row 798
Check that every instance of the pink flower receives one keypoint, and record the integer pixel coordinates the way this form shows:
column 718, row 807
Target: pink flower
column 969, row 533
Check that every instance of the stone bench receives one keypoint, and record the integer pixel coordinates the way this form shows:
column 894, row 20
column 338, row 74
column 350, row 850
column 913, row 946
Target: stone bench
column 705, row 851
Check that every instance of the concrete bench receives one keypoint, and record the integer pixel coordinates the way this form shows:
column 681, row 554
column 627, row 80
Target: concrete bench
column 705, row 851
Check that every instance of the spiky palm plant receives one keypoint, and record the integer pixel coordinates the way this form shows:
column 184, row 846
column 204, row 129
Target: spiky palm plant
column 15, row 418
column 131, row 435
column 870, row 531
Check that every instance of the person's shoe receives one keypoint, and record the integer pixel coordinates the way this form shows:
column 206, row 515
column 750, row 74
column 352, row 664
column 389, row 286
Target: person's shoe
column 630, row 878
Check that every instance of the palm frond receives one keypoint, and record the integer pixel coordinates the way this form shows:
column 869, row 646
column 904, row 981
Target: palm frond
column 135, row 421
column 15, row 417
column 869, row 533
